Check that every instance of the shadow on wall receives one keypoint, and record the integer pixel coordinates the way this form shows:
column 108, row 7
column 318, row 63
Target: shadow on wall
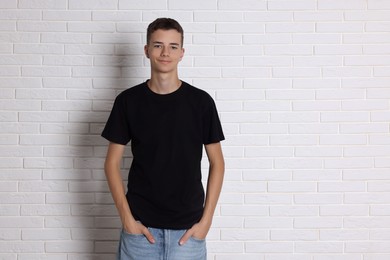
column 97, row 233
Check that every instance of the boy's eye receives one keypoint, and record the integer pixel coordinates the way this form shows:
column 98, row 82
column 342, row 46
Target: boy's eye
column 157, row 46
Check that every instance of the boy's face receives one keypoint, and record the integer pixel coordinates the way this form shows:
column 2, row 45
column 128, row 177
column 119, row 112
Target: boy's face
column 164, row 50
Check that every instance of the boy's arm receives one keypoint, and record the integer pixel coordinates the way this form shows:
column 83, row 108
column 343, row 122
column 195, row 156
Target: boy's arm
column 214, row 186
column 115, row 183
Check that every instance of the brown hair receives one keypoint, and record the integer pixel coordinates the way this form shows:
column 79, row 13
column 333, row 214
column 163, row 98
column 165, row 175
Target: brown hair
column 164, row 24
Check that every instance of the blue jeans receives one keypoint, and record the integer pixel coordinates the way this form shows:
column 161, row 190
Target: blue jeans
column 166, row 246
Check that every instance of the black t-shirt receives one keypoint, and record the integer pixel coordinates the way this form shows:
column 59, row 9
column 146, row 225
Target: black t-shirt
column 167, row 134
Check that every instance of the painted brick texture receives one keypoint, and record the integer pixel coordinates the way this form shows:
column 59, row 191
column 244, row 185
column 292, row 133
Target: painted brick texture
column 302, row 88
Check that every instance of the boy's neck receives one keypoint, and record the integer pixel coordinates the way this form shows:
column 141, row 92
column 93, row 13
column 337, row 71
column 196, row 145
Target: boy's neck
column 163, row 84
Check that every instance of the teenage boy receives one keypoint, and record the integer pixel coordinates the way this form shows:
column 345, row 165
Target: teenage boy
column 165, row 213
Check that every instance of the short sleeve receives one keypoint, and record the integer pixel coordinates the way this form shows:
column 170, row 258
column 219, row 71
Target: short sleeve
column 212, row 129
column 117, row 129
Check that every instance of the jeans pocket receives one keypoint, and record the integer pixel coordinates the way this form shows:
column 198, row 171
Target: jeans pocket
column 130, row 234
column 198, row 240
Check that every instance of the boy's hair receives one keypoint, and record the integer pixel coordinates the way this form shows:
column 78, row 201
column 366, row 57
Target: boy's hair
column 164, row 24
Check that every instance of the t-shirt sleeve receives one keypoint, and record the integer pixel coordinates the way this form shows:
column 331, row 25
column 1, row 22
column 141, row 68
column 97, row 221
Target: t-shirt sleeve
column 116, row 129
column 212, row 128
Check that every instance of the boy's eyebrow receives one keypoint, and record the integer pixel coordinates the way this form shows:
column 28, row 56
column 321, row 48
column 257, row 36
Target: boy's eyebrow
column 173, row 43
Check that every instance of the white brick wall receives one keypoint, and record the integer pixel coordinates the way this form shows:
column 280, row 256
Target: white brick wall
column 303, row 90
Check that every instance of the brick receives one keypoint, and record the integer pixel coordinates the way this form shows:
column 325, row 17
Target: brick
column 68, row 222
column 319, row 247
column 240, row 28
column 327, row 16
column 284, row 27
column 361, row 38
column 268, row 152
column 66, row 198
column 47, row 163
column 104, row 27
column 348, row 163
column 46, row 71
column 342, row 72
column 296, row 72
column 292, row 5
column 199, row 5
column 288, row 211
column 9, row 163
column 288, row 257
column 148, row 5
column 344, row 210
column 93, row 210
column 267, row 175
column 363, row 128
column 317, row 84
column 9, row 4
column 62, row 128
column 43, row 186
column 344, row 117
column 360, row 247
column 92, row 5
column 237, row 187
column 318, row 199
column 367, row 15
column 95, row 234
column 20, row 151
column 9, row 234
column 69, row 246
column 43, row 117
column 263, row 105
column 8, row 187
column 66, row 15
column 42, row 4
column 21, row 247
column 367, row 60
column 246, row 73
column 104, row 15
column 269, row 247
column 267, row 199
column 248, row 117
column 243, row 234
column 38, row 49
column 337, row 5
column 376, row 256
column 288, row 50
column 268, row 16
column 10, row 117
column 244, row 5
column 46, row 234
column 338, row 49
column 91, row 49
column 318, row 105
column 298, row 163
column 378, row 4
column 367, row 198
column 6, row 48
column 218, row 61
column 341, row 187
column 269, row 61
column 317, row 61
column 21, row 222
column 293, row 187
column 266, row 39
column 294, row 235
column 44, row 210
column 379, row 234
column 212, row 16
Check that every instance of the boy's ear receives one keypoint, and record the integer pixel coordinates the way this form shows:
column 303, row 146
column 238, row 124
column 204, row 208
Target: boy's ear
column 182, row 53
column 146, row 51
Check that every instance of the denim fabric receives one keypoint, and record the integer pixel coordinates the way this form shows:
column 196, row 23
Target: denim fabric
column 166, row 247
